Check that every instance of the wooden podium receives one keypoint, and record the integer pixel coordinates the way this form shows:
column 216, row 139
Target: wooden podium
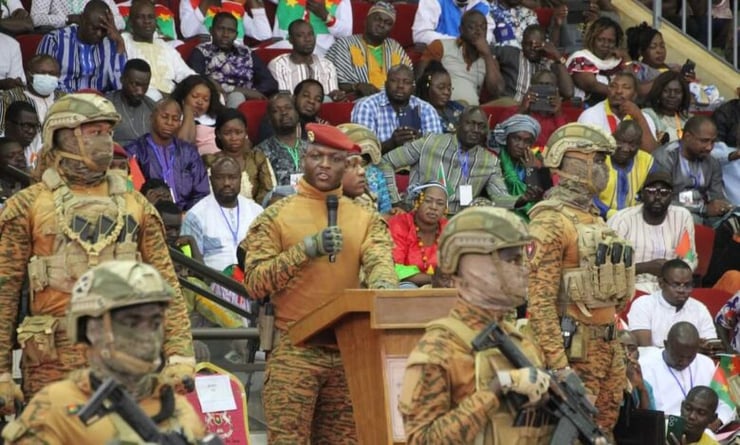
column 375, row 331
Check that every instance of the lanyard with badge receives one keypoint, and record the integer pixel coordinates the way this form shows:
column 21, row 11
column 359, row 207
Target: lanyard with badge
column 167, row 165
column 466, row 190
column 295, row 155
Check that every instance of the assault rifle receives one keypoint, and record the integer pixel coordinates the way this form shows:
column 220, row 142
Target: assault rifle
column 567, row 401
column 112, row 397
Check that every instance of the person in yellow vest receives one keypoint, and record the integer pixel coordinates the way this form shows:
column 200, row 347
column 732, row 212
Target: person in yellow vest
column 79, row 215
column 581, row 271
column 300, row 261
column 118, row 309
column 450, row 394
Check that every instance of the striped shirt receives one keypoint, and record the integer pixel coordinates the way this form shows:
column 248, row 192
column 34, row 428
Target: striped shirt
column 376, row 113
column 654, row 242
column 289, row 74
column 82, row 65
column 438, row 154
column 352, row 57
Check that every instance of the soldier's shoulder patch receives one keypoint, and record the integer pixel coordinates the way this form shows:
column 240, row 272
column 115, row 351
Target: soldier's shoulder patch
column 73, row 409
column 531, row 250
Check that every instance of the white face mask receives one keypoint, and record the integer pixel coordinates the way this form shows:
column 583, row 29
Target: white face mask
column 45, row 84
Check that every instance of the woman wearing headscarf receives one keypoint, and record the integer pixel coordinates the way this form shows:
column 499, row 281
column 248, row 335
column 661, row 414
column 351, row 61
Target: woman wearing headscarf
column 415, row 235
column 521, row 165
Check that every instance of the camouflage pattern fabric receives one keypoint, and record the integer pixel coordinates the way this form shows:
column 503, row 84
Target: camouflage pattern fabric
column 555, row 247
column 318, row 391
column 28, row 227
column 439, row 401
column 51, row 417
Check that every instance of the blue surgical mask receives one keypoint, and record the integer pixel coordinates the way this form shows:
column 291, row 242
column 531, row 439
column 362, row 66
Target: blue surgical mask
column 45, row 84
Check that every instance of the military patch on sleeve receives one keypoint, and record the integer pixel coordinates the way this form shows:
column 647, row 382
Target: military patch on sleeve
column 531, row 249
column 73, row 410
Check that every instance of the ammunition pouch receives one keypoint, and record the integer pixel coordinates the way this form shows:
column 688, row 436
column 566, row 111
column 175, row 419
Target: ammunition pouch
column 36, row 335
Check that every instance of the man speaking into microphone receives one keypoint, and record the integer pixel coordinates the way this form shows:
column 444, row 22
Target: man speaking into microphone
column 288, row 250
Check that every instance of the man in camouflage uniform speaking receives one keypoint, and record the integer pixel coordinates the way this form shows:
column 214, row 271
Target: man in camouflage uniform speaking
column 118, row 309
column 451, row 394
column 288, row 258
column 580, row 271
column 78, row 216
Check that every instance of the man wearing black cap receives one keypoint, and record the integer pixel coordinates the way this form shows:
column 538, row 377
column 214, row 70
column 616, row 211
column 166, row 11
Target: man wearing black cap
column 300, row 263
column 657, row 230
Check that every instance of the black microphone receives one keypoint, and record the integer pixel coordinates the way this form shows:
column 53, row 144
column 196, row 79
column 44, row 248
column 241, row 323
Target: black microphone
column 332, row 204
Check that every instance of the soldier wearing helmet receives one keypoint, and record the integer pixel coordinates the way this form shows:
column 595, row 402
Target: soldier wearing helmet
column 581, row 272
column 451, row 394
column 118, row 309
column 77, row 216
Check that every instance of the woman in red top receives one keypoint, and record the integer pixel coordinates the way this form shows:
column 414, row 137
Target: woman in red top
column 415, row 235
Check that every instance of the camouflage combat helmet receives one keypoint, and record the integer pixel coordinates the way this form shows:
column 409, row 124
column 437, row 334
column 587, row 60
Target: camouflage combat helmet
column 585, row 138
column 73, row 110
column 481, row 230
column 365, row 138
column 113, row 285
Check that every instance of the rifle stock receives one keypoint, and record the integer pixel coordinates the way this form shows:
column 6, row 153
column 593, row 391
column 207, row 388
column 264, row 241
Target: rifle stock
column 567, row 402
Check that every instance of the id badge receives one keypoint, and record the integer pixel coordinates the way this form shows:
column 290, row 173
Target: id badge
column 686, row 197
column 466, row 194
column 294, row 178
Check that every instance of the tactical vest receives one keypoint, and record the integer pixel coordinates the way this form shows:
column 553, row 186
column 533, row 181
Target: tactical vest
column 500, row 429
column 92, row 230
column 601, row 278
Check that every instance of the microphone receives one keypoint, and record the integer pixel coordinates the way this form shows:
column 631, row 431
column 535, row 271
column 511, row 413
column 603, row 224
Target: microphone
column 332, row 204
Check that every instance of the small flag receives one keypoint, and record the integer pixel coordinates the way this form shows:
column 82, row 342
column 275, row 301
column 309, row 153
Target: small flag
column 442, row 178
column 683, row 249
column 728, row 368
column 135, row 176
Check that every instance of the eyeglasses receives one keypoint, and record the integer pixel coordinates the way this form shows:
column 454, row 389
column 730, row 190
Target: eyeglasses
column 31, row 126
column 679, row 286
column 663, row 193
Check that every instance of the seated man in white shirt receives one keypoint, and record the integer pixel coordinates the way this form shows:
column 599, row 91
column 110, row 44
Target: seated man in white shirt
column 651, row 316
column 11, row 63
column 657, row 230
column 674, row 371
column 620, row 105
column 193, row 16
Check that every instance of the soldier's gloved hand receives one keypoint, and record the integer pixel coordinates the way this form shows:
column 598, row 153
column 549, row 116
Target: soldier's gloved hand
column 10, row 392
column 328, row 241
column 530, row 382
column 179, row 373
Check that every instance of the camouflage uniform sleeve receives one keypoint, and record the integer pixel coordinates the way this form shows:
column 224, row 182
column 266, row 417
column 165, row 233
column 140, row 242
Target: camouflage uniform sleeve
column 377, row 258
column 15, row 250
column 546, row 264
column 37, row 424
column 268, row 267
column 154, row 251
column 428, row 415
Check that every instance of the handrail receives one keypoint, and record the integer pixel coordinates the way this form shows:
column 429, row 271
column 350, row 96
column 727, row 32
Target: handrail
column 207, row 272
column 185, row 283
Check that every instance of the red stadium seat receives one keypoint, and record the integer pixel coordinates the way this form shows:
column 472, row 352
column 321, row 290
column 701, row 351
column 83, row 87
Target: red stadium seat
column 253, row 111
column 544, row 15
column 29, row 43
column 359, row 14
column 713, row 299
column 336, row 112
column 405, row 14
column 704, row 239
column 267, row 54
column 187, row 48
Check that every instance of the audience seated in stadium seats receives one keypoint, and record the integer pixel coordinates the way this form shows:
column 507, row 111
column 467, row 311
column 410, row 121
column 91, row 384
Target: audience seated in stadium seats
column 727, row 317
column 11, row 153
column 471, row 171
column 601, row 58
column 395, row 115
column 198, row 16
column 22, row 125
column 235, row 68
column 91, row 55
column 11, row 63
column 648, row 53
column 307, row 97
column 165, row 19
column 284, row 149
column 363, row 60
column 441, row 19
column 132, row 103
column 571, row 18
column 162, row 155
column 301, row 63
column 521, row 163
column 434, row 85
column 519, row 65
column 628, row 167
column 257, row 177
column 468, row 59
column 199, row 100
column 168, row 67
column 61, row 13
column 697, row 176
column 328, row 22
column 656, row 230
column 620, row 105
column 669, row 100
column 511, row 18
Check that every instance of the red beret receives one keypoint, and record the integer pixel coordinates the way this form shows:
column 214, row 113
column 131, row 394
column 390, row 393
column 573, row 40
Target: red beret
column 119, row 151
column 331, row 137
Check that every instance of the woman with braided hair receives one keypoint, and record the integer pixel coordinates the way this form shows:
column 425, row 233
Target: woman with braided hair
column 415, row 235
column 521, row 164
